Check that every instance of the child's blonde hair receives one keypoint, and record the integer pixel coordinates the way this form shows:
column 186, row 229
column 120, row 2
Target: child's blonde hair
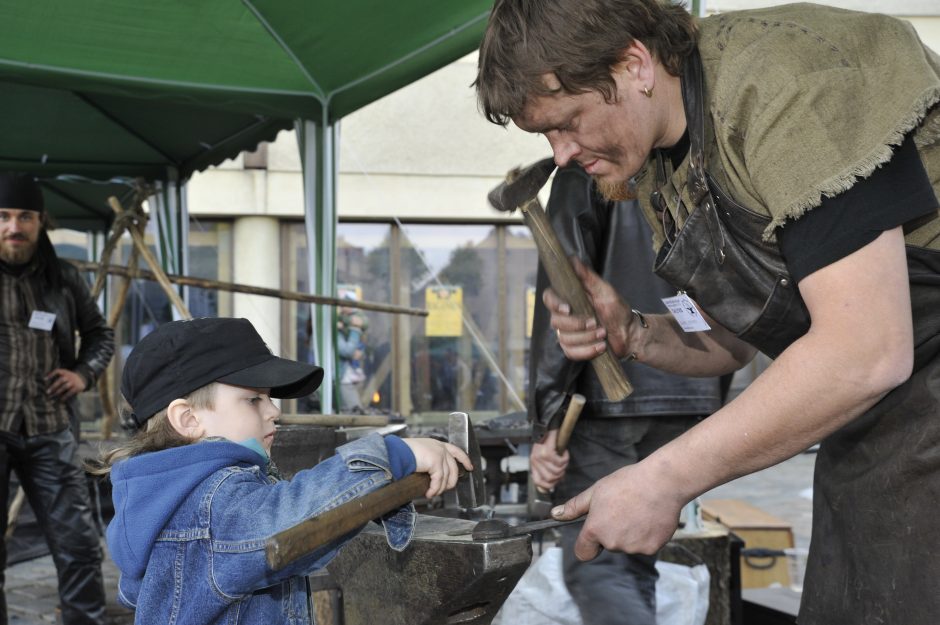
column 157, row 434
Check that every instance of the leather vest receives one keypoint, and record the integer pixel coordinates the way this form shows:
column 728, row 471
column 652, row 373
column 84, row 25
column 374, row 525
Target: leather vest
column 718, row 255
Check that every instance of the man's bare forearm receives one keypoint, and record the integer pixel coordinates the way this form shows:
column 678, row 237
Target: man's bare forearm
column 805, row 395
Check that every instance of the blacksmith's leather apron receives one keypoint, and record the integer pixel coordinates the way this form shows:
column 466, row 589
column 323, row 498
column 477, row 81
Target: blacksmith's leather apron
column 875, row 553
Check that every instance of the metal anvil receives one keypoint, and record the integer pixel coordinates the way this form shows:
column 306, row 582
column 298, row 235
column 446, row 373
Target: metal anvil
column 438, row 580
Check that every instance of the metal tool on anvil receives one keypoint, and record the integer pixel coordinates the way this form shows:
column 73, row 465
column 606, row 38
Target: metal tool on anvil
column 520, row 190
column 492, row 529
column 292, row 543
column 541, row 502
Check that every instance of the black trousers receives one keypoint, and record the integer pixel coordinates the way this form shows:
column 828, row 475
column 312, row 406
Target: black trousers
column 48, row 470
column 614, row 588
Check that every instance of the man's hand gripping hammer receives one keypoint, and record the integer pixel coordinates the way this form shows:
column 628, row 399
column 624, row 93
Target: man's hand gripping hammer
column 520, row 190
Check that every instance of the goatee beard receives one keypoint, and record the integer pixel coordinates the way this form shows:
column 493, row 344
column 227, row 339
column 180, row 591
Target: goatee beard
column 17, row 256
column 616, row 190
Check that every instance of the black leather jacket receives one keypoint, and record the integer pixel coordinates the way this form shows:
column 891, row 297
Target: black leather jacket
column 615, row 240
column 75, row 312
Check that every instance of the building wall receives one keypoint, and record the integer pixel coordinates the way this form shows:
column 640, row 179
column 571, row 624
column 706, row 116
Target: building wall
column 405, row 155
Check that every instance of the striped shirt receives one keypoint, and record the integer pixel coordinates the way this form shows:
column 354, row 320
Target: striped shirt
column 27, row 355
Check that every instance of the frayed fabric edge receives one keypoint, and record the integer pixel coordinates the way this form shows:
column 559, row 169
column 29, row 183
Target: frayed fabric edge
column 880, row 155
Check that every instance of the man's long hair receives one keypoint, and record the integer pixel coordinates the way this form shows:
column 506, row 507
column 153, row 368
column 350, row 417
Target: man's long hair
column 47, row 260
column 580, row 41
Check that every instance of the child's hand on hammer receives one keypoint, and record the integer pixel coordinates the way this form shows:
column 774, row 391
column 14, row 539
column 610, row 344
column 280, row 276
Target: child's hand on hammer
column 439, row 460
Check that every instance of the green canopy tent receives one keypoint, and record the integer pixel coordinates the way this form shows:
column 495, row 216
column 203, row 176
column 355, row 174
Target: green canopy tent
column 121, row 88
column 81, row 204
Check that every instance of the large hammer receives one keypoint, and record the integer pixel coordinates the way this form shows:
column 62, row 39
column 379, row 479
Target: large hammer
column 292, row 543
column 520, row 190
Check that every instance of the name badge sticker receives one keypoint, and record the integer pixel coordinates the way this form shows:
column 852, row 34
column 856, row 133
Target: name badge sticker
column 683, row 309
column 41, row 320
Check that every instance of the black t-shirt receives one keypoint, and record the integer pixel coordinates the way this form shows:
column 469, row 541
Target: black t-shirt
column 896, row 193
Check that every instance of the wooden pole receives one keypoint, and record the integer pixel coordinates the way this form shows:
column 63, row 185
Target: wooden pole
column 106, row 259
column 255, row 290
column 148, row 256
column 105, row 383
column 334, row 420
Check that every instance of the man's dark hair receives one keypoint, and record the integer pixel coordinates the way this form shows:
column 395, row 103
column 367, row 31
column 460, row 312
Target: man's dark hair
column 48, row 260
column 577, row 40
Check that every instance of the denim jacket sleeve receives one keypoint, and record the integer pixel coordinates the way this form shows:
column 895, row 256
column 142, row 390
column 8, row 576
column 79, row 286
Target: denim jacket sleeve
column 244, row 509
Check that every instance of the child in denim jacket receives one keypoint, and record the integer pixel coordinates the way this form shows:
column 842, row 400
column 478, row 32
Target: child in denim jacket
column 195, row 494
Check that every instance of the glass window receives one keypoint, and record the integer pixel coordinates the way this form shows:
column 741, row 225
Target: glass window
column 362, row 269
column 363, row 272
column 210, row 257
column 454, row 352
column 518, row 307
column 471, row 352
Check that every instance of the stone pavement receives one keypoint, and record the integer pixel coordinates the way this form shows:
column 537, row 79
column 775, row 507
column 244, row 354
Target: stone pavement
column 32, row 596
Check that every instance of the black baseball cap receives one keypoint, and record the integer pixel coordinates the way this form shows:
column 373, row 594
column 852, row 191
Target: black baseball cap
column 182, row 356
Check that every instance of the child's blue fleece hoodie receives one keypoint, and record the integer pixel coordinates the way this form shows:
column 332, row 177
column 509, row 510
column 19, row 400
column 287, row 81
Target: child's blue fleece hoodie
column 191, row 522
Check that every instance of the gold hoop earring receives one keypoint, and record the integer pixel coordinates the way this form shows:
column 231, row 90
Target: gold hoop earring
column 647, row 92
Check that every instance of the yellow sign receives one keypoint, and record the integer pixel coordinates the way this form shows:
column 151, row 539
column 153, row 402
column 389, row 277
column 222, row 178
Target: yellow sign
column 529, row 310
column 354, row 289
column 445, row 310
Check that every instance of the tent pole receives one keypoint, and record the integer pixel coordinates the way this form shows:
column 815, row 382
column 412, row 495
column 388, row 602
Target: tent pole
column 318, row 144
column 182, row 201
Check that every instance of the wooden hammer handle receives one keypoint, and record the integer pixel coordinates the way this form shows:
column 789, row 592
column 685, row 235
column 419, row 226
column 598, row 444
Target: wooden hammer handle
column 568, row 423
column 564, row 432
column 566, row 283
column 294, row 542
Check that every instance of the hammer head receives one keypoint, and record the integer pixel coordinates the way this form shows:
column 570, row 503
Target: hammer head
column 469, row 489
column 521, row 185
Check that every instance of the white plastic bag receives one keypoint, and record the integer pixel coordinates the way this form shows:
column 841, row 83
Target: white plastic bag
column 681, row 594
column 541, row 598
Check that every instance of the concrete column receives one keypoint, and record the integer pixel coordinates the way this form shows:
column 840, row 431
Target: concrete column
column 257, row 263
